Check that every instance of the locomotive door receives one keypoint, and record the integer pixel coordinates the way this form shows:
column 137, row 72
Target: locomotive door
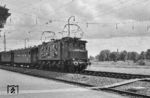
column 61, row 46
column 34, row 55
column 12, row 58
column 0, row 58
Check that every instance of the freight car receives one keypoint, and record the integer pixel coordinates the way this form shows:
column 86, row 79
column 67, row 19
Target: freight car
column 66, row 54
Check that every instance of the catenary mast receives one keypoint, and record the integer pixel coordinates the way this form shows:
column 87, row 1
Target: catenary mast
column 4, row 14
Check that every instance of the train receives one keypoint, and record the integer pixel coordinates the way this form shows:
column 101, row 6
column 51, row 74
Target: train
column 68, row 54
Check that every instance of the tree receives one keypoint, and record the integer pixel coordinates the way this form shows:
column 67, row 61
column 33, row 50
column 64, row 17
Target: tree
column 97, row 57
column 142, row 55
column 91, row 57
column 123, row 55
column 104, row 55
column 134, row 56
column 114, row 56
column 148, row 54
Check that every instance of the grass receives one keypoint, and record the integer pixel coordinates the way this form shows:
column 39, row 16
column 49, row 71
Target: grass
column 126, row 64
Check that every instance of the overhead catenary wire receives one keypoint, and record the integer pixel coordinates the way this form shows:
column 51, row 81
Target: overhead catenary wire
column 145, row 3
column 56, row 9
column 118, row 8
column 124, row 3
column 31, row 6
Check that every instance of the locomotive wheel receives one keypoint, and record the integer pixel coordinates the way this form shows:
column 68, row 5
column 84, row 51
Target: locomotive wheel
column 71, row 68
column 62, row 68
column 82, row 68
column 41, row 66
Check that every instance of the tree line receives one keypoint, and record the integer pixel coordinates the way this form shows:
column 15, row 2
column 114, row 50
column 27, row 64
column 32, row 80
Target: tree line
column 107, row 55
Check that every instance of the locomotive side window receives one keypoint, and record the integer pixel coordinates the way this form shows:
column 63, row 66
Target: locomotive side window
column 82, row 46
column 49, row 48
column 76, row 45
column 71, row 45
column 56, row 47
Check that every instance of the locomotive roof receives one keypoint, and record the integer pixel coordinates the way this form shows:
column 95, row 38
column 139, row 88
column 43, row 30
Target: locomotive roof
column 6, row 51
column 25, row 48
column 66, row 39
column 73, row 39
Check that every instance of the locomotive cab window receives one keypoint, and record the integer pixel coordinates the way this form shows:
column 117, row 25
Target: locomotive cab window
column 78, row 45
column 82, row 46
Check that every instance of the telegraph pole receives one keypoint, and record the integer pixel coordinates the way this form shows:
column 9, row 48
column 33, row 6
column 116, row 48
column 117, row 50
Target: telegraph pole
column 4, row 42
column 25, row 42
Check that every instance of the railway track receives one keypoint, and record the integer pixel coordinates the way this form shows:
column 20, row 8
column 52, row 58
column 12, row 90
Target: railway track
column 92, row 87
column 113, row 74
column 134, row 95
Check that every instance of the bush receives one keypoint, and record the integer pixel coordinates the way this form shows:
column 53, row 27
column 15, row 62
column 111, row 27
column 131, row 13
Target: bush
column 141, row 62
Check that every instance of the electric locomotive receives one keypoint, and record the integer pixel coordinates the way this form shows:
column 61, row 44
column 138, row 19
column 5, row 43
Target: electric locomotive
column 67, row 54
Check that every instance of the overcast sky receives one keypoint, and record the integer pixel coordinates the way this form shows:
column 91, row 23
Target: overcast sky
column 112, row 24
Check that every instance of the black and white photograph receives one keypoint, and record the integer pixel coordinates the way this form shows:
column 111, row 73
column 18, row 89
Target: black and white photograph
column 74, row 49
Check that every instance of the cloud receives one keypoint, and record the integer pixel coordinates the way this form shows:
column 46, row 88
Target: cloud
column 106, row 13
column 126, row 10
column 81, row 9
column 32, row 16
column 139, row 12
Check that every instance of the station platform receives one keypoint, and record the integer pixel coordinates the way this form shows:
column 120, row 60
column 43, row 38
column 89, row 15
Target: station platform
column 34, row 87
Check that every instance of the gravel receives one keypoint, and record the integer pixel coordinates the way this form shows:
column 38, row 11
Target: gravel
column 92, row 80
column 140, row 87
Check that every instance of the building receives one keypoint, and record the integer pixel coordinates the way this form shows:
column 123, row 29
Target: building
column 3, row 15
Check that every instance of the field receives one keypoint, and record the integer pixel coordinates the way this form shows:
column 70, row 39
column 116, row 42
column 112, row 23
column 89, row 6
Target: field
column 122, row 64
column 122, row 67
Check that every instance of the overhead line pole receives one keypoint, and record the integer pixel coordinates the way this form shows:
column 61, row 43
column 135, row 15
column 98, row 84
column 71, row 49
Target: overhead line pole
column 4, row 42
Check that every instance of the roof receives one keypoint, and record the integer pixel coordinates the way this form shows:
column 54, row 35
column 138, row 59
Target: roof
column 73, row 39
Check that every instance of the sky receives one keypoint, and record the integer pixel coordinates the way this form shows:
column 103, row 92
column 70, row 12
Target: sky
column 105, row 24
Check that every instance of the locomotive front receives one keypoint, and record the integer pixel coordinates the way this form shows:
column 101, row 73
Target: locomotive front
column 78, row 54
